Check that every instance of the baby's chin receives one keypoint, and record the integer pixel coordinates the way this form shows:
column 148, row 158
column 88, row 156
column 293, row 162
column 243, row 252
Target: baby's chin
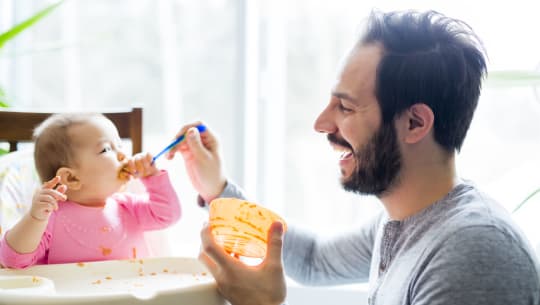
column 123, row 186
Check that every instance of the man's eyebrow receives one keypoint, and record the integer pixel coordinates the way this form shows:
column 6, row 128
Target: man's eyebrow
column 344, row 96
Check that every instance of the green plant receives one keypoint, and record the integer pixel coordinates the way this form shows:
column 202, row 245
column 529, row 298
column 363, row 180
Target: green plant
column 531, row 195
column 17, row 29
column 12, row 33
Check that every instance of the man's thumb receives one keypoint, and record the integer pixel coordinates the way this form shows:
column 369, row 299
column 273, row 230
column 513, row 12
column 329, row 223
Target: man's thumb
column 275, row 241
column 194, row 141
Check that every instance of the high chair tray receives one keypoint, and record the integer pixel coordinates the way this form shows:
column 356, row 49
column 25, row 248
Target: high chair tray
column 167, row 280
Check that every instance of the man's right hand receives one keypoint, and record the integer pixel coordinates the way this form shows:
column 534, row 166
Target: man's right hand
column 202, row 159
column 240, row 284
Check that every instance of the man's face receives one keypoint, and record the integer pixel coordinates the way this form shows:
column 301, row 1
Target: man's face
column 380, row 161
column 370, row 159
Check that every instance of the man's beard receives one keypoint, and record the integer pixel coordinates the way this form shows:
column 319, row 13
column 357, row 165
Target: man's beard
column 378, row 163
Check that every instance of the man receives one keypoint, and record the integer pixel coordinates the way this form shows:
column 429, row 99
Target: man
column 399, row 111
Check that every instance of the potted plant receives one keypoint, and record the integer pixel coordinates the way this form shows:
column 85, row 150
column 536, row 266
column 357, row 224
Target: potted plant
column 12, row 33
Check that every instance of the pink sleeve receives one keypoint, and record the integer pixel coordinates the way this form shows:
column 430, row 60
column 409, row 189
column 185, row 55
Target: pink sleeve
column 157, row 209
column 12, row 259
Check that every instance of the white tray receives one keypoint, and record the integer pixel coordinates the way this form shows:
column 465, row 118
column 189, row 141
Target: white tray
column 169, row 280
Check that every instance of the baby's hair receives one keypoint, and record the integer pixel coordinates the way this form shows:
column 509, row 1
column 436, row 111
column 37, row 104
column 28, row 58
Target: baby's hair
column 53, row 147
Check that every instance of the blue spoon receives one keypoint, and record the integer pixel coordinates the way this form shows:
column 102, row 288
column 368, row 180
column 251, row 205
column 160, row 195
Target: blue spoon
column 200, row 128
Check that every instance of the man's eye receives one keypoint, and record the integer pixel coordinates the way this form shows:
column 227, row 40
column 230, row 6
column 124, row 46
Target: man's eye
column 343, row 108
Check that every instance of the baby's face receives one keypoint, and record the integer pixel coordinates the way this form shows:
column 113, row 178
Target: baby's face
column 99, row 159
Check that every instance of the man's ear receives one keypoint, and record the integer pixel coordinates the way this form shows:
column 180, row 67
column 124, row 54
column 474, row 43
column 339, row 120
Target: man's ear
column 69, row 177
column 419, row 121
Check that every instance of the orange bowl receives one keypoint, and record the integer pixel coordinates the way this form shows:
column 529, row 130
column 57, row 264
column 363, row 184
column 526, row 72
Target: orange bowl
column 241, row 227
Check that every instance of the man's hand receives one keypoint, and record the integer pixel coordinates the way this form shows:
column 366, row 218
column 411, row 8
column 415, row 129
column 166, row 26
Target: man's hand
column 45, row 200
column 201, row 157
column 247, row 285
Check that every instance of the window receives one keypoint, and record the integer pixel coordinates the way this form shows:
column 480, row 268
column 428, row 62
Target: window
column 258, row 73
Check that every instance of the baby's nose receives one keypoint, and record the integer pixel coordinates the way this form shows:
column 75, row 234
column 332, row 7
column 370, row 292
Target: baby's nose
column 121, row 156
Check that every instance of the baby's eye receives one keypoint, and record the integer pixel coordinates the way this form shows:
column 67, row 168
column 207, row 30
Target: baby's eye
column 105, row 149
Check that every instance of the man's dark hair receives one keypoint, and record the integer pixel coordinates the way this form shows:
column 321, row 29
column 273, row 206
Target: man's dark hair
column 432, row 59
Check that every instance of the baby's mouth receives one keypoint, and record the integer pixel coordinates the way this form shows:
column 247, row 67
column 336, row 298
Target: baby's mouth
column 124, row 173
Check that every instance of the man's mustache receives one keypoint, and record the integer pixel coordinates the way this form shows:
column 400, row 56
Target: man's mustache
column 332, row 138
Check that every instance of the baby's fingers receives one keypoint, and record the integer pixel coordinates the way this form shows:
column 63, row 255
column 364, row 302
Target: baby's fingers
column 139, row 165
column 54, row 194
column 51, row 183
column 47, row 203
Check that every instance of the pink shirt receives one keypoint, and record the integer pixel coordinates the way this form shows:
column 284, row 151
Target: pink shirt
column 77, row 233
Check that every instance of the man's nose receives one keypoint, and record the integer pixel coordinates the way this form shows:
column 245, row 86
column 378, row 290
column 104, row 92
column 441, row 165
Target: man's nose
column 324, row 122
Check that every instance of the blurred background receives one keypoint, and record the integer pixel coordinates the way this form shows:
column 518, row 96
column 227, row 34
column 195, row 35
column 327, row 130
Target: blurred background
column 258, row 73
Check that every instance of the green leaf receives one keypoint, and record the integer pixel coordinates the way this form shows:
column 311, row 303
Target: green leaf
column 14, row 31
column 3, row 151
column 513, row 78
column 531, row 195
column 3, row 103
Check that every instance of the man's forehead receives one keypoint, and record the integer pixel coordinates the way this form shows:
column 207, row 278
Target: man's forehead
column 358, row 71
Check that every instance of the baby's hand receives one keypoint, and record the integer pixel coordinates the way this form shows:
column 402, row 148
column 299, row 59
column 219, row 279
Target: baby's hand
column 141, row 165
column 46, row 199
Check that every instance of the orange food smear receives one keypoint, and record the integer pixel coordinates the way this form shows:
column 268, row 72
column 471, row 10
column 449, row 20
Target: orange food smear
column 106, row 251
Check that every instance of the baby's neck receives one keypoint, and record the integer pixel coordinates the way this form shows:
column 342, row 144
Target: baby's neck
column 88, row 201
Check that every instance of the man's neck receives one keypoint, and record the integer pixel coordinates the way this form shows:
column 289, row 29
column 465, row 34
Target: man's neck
column 419, row 187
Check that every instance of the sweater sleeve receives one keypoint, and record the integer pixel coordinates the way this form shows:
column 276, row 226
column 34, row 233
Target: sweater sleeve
column 158, row 208
column 231, row 190
column 342, row 259
column 12, row 259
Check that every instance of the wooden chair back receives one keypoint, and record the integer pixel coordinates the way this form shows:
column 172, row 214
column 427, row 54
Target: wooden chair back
column 16, row 126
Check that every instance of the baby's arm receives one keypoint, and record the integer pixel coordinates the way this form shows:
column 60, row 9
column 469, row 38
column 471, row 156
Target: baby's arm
column 161, row 206
column 26, row 235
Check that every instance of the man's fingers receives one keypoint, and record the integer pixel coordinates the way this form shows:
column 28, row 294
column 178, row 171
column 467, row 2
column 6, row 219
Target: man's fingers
column 183, row 131
column 209, row 263
column 193, row 139
column 212, row 249
column 275, row 243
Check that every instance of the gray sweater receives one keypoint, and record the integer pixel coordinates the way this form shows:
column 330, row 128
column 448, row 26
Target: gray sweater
column 463, row 249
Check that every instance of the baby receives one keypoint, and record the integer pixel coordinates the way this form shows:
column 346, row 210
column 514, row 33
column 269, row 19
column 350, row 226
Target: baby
column 80, row 214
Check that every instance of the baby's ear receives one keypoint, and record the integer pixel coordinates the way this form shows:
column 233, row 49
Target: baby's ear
column 69, row 178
